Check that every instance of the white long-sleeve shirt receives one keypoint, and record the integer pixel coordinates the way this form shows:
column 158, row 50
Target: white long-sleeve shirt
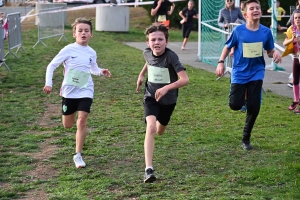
column 79, row 63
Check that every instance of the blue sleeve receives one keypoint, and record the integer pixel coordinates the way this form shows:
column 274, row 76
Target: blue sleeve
column 232, row 41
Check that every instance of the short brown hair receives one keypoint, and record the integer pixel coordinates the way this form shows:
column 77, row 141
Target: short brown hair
column 153, row 28
column 251, row 1
column 81, row 20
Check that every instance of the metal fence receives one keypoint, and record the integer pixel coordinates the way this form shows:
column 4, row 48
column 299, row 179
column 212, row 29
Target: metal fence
column 2, row 57
column 14, row 33
column 50, row 24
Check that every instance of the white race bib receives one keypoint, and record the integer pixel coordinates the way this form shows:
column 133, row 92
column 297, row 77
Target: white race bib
column 158, row 75
column 252, row 50
column 77, row 78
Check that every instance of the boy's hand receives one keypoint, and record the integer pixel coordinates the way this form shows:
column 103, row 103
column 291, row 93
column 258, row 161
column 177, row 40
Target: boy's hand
column 139, row 83
column 47, row 89
column 277, row 57
column 160, row 93
column 220, row 69
column 106, row 72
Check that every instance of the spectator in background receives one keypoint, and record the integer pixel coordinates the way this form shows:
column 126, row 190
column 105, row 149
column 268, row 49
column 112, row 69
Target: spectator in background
column 290, row 79
column 230, row 14
column 292, row 43
column 160, row 9
column 187, row 14
column 4, row 25
column 280, row 13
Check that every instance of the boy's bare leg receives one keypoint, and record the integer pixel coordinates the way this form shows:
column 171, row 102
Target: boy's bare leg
column 81, row 130
column 160, row 128
column 149, row 139
column 68, row 120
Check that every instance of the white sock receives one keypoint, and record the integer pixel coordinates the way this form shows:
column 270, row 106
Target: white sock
column 78, row 154
column 148, row 168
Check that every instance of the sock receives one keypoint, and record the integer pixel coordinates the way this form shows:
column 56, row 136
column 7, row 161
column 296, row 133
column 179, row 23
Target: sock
column 78, row 154
column 296, row 93
column 148, row 168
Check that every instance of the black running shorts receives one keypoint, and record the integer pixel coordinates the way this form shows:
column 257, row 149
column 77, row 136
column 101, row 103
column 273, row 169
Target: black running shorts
column 161, row 112
column 70, row 106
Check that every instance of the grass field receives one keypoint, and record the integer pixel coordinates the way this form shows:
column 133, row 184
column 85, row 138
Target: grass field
column 199, row 156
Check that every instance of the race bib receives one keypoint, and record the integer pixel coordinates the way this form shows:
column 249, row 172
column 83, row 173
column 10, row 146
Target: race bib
column 161, row 18
column 77, row 78
column 158, row 75
column 252, row 50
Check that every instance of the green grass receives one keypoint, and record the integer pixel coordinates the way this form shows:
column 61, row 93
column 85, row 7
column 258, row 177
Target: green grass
column 199, row 156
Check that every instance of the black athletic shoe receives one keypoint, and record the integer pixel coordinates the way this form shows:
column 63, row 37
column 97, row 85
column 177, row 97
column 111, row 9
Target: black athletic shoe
column 247, row 146
column 149, row 176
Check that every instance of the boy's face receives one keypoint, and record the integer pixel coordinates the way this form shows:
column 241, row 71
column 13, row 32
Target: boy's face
column 253, row 11
column 82, row 34
column 157, row 42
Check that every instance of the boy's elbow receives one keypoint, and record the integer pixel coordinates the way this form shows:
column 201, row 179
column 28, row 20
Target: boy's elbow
column 187, row 81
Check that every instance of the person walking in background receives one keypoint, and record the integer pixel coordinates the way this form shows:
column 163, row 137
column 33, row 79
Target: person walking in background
column 230, row 14
column 161, row 89
column 280, row 13
column 249, row 40
column 187, row 14
column 77, row 89
column 293, row 40
column 160, row 9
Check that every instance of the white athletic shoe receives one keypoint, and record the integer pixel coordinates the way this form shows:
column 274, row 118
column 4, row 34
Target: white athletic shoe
column 79, row 163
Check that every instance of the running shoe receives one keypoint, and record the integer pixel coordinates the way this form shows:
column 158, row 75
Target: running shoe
column 294, row 105
column 79, row 163
column 149, row 176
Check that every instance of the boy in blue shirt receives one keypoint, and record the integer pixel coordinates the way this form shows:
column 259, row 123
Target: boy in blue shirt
column 248, row 70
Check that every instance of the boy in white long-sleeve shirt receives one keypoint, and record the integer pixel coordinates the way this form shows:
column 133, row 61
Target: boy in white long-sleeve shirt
column 77, row 89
